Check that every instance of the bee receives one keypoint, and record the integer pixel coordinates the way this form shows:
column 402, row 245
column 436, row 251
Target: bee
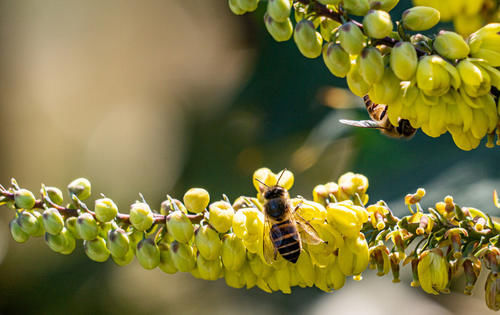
column 284, row 228
column 379, row 120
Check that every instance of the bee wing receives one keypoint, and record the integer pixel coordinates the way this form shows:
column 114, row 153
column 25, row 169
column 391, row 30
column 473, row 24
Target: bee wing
column 307, row 232
column 269, row 250
column 362, row 123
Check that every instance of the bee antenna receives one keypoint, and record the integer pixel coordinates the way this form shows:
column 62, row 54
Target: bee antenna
column 282, row 172
column 261, row 182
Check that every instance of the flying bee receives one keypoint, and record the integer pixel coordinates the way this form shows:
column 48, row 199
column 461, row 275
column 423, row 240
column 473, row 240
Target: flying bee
column 379, row 120
column 284, row 228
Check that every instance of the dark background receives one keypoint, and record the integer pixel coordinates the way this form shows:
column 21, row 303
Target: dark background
column 160, row 96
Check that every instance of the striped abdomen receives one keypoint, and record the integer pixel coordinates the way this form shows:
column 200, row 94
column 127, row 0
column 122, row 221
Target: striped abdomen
column 286, row 239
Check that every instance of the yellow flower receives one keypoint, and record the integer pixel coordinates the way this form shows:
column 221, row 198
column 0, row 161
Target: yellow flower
column 433, row 271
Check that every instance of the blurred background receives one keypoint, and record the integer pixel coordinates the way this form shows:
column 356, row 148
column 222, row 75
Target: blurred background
column 160, row 96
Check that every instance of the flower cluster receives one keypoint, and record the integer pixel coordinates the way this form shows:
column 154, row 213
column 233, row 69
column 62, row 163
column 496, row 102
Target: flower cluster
column 439, row 84
column 467, row 16
column 223, row 239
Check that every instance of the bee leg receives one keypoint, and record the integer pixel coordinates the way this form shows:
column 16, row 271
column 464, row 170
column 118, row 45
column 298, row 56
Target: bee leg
column 298, row 206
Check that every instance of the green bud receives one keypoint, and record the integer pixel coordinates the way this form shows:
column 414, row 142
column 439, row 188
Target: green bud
column 404, row 60
column 63, row 242
column 233, row 252
column 70, row 224
column 135, row 237
column 17, row 233
column 118, row 243
column 307, row 39
column 386, row 5
column 166, row 263
column 105, row 209
column 167, row 207
column 209, row 269
column 377, row 24
column 221, row 216
column 279, row 10
column 29, row 223
column 235, row 7
column 371, row 65
column 196, row 200
column 387, row 90
column 234, row 279
column 41, row 229
column 125, row 260
column 420, row 18
column 180, row 227
column 207, row 242
column 356, row 7
column 182, row 256
column 141, row 216
column 53, row 222
column 336, row 59
column 148, row 254
column 451, row 45
column 80, row 187
column 86, row 226
column 55, row 195
column 96, row 249
column 24, row 199
column 351, row 38
column 326, row 27
column 248, row 5
column 280, row 31
column 355, row 81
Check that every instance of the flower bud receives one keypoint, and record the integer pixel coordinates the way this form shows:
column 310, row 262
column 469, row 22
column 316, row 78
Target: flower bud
column 53, row 222
column 29, row 223
column 377, row 24
column 279, row 10
column 63, row 242
column 233, row 252
column 196, row 200
column 485, row 44
column 451, row 45
column 492, row 288
column 209, row 269
column 141, row 216
column 55, row 195
column 105, row 209
column 248, row 5
column 24, row 199
column 335, row 277
column 351, row 38
column 354, row 256
column 171, row 205
column 472, row 268
column 327, row 27
column 371, row 65
column 432, row 78
column 17, row 233
column 70, row 224
column 166, row 262
column 118, row 243
column 307, row 39
column 420, row 18
column 208, row 242
column 80, row 187
column 235, row 7
column 404, row 60
column 351, row 184
column 385, row 5
column 221, row 216
column 345, row 217
column 282, row 276
column 125, row 260
column 433, row 271
column 182, row 256
column 180, row 227
column 96, row 249
column 305, row 268
column 355, row 81
column 148, row 254
column 234, row 279
column 476, row 81
column 356, row 7
column 336, row 59
column 248, row 224
column 86, row 226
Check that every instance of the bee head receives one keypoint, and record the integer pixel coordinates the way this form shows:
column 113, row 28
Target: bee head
column 275, row 192
column 405, row 128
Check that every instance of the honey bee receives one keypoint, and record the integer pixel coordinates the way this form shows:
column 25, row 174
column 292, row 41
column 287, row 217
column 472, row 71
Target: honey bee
column 284, row 228
column 379, row 120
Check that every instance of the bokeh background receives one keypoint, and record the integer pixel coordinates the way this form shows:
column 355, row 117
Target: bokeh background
column 159, row 96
